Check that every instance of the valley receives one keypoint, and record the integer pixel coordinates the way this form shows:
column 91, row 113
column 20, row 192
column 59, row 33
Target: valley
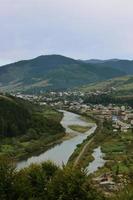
column 71, row 117
column 66, row 100
column 98, row 138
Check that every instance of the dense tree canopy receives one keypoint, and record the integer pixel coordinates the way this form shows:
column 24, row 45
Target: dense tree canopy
column 44, row 182
column 19, row 117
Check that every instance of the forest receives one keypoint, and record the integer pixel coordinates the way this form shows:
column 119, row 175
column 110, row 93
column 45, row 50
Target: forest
column 26, row 128
column 105, row 99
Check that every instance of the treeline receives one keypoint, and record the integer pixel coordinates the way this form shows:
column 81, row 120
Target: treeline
column 105, row 99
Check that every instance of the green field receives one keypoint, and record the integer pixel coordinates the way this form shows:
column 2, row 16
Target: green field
column 118, row 153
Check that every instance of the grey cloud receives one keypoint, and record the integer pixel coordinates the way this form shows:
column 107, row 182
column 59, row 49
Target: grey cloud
column 80, row 29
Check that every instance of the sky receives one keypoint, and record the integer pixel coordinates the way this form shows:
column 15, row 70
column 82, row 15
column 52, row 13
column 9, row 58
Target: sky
column 82, row 29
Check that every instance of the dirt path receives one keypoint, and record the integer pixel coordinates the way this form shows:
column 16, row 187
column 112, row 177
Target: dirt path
column 82, row 152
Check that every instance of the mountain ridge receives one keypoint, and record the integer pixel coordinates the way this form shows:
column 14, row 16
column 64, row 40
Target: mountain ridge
column 55, row 72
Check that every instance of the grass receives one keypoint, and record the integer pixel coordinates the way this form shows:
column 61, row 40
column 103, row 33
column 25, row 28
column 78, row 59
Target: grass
column 21, row 150
column 121, row 83
column 113, row 148
column 118, row 150
column 88, row 118
column 78, row 128
column 86, row 157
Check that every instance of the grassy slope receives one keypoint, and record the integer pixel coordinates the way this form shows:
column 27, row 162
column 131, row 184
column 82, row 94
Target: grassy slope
column 123, row 85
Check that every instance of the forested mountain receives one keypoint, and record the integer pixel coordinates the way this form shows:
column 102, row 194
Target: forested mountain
column 53, row 72
column 122, row 65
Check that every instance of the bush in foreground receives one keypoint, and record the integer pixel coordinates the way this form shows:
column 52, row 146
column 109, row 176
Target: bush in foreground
column 44, row 182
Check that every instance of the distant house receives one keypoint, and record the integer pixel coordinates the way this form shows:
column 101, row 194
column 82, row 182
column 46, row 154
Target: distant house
column 130, row 116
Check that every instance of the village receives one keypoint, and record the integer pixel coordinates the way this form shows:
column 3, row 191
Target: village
column 120, row 115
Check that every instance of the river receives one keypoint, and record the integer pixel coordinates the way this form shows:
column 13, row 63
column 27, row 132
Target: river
column 60, row 153
column 97, row 162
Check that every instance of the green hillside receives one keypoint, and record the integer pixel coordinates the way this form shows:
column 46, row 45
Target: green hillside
column 53, row 72
column 122, row 65
column 121, row 85
column 25, row 127
column 18, row 116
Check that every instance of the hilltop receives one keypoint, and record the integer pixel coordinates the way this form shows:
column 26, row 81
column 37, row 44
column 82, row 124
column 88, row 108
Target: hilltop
column 52, row 72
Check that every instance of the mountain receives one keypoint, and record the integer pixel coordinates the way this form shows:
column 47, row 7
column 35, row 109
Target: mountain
column 125, row 66
column 52, row 72
column 94, row 61
column 98, row 61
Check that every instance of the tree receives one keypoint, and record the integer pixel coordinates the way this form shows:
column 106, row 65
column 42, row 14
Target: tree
column 6, row 178
column 71, row 184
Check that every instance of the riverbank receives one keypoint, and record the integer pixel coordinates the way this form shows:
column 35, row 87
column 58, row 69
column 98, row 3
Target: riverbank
column 85, row 154
column 112, row 151
column 98, row 161
column 60, row 153
column 33, row 143
column 82, row 155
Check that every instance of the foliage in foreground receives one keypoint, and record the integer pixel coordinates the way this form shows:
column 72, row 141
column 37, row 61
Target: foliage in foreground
column 49, row 182
column 44, row 182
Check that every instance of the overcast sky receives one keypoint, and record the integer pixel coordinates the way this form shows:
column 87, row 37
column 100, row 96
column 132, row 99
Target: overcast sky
column 76, row 28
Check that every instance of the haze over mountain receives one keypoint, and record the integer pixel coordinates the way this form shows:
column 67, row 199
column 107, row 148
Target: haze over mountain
column 56, row 72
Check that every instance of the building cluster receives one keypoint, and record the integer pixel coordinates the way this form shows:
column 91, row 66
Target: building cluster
column 121, row 116
column 108, row 184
